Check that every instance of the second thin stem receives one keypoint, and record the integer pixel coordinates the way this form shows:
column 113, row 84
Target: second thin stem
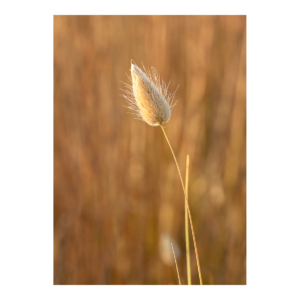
column 186, row 216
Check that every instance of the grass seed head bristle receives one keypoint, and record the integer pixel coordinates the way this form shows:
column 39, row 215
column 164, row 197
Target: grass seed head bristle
column 148, row 97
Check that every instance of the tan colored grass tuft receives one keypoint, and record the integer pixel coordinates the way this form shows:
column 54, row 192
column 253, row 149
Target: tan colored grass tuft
column 148, row 97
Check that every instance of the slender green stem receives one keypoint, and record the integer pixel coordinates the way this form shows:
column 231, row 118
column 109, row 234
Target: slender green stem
column 187, row 242
column 187, row 205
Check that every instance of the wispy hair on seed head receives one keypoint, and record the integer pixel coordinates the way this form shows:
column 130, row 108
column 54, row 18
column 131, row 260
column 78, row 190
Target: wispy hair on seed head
column 148, row 97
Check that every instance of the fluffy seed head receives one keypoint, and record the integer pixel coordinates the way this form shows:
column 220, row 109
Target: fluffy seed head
column 148, row 97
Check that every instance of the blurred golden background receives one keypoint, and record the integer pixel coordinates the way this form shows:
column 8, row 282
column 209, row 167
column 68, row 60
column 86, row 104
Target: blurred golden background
column 118, row 199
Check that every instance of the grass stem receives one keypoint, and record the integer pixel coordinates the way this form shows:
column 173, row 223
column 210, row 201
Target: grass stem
column 176, row 264
column 187, row 242
column 187, row 205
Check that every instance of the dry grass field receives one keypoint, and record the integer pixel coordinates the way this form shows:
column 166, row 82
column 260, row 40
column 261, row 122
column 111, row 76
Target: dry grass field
column 117, row 193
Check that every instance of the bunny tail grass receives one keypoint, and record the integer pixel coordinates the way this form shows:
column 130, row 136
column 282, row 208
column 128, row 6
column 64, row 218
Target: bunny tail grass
column 187, row 205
